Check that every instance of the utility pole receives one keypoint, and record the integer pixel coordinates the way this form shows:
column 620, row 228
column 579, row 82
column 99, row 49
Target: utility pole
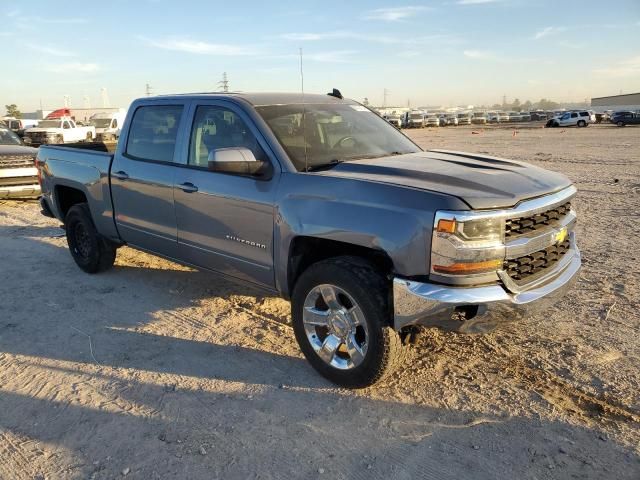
column 105, row 97
column 504, row 100
column 67, row 100
column 224, row 83
column 385, row 94
column 147, row 90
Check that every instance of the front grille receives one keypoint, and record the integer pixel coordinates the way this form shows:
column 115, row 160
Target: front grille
column 16, row 161
column 523, row 267
column 523, row 225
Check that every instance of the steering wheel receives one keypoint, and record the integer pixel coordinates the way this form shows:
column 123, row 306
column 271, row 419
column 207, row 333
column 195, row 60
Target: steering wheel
column 347, row 142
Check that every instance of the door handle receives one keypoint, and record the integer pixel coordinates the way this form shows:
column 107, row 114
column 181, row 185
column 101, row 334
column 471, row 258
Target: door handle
column 188, row 187
column 120, row 175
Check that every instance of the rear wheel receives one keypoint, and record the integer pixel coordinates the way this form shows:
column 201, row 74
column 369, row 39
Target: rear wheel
column 620, row 124
column 341, row 312
column 91, row 252
column 582, row 123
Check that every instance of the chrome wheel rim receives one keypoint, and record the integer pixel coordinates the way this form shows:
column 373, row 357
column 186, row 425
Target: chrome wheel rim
column 335, row 327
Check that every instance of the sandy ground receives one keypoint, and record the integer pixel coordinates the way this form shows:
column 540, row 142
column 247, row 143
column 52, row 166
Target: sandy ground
column 154, row 370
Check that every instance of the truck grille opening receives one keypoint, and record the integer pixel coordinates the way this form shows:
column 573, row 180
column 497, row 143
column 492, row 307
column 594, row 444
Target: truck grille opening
column 17, row 161
column 524, row 267
column 523, row 225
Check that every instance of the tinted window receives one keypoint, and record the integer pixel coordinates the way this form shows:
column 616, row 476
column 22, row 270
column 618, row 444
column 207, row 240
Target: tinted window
column 574, row 115
column 584, row 114
column 66, row 125
column 217, row 127
column 115, row 123
column 153, row 132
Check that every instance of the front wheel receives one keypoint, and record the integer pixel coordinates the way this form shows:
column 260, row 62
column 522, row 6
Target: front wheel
column 620, row 124
column 89, row 250
column 341, row 311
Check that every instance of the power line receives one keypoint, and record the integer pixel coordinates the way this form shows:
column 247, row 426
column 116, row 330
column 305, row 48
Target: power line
column 224, row 83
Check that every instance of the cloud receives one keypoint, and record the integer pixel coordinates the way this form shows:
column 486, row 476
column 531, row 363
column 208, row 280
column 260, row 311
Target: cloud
column 395, row 14
column 50, row 50
column 198, row 47
column 625, row 68
column 545, row 32
column 480, row 54
column 435, row 39
column 73, row 67
column 476, row 2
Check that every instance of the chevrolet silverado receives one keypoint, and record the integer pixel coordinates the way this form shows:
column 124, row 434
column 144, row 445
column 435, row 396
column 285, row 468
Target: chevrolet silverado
column 319, row 200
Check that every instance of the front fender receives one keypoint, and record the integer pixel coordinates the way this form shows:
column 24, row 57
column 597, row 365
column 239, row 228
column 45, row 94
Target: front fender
column 395, row 220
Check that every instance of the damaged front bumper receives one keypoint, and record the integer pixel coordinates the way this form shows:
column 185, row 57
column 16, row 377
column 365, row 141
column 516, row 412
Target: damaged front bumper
column 479, row 309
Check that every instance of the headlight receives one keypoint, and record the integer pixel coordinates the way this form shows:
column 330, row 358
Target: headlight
column 464, row 246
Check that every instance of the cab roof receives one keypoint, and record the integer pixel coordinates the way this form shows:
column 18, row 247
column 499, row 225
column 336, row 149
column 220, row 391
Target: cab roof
column 267, row 98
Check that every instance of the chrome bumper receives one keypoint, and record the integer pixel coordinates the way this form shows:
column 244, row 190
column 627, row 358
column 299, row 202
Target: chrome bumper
column 478, row 309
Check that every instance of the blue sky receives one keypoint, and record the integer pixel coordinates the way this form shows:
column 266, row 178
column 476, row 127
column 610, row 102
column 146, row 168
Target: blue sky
column 429, row 53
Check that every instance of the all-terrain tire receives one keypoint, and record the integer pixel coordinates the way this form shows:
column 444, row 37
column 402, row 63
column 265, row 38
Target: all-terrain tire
column 89, row 250
column 371, row 291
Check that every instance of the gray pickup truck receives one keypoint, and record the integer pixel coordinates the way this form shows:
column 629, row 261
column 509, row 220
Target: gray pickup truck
column 319, row 200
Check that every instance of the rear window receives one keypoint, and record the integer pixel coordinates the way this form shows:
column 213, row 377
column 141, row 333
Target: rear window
column 153, row 132
column 584, row 114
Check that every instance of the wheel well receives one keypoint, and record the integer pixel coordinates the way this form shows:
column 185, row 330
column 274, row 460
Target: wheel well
column 305, row 251
column 67, row 197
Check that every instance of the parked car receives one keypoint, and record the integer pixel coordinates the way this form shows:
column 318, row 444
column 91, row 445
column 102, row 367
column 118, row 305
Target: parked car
column 394, row 119
column 58, row 130
column 503, row 117
column 538, row 115
column 432, row 120
column 479, row 118
column 514, row 116
column 623, row 119
column 18, row 125
column 572, row 119
column 107, row 125
column 18, row 173
column 451, row 119
column 367, row 234
column 525, row 117
column 492, row 117
column 464, row 119
column 415, row 120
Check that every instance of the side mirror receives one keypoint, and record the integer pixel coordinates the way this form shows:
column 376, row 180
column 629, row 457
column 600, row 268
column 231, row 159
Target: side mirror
column 237, row 160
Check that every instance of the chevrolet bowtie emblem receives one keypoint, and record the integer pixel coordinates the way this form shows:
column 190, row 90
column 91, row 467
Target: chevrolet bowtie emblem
column 561, row 235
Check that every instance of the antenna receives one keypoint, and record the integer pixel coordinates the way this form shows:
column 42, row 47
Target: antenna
column 304, row 112
column 224, row 83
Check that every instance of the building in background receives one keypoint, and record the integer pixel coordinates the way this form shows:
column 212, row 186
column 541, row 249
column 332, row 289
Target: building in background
column 629, row 101
column 78, row 114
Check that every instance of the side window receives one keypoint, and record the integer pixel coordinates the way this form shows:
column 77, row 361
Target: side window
column 218, row 127
column 574, row 115
column 114, row 124
column 153, row 132
column 66, row 125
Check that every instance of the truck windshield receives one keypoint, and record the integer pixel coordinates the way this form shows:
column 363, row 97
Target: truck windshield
column 49, row 124
column 325, row 134
column 7, row 137
column 100, row 122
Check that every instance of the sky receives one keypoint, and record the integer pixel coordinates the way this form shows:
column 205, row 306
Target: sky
column 435, row 52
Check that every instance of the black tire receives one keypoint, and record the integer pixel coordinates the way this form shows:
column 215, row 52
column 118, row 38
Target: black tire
column 555, row 124
column 620, row 124
column 91, row 252
column 385, row 350
column 582, row 123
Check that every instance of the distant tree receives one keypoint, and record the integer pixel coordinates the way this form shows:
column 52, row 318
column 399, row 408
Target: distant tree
column 12, row 111
column 516, row 105
column 526, row 106
column 496, row 106
column 546, row 104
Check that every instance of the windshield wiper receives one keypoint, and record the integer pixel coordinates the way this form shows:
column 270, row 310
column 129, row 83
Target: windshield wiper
column 323, row 166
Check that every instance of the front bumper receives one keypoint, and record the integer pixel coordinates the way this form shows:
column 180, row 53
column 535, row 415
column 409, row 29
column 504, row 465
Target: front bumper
column 478, row 309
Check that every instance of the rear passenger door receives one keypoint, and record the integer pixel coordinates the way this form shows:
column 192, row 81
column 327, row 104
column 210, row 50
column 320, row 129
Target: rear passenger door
column 225, row 221
column 142, row 177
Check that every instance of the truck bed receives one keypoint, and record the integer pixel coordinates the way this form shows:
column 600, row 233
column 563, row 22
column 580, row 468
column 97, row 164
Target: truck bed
column 85, row 169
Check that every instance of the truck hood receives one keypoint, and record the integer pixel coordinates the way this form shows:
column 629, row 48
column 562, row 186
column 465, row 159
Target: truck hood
column 481, row 181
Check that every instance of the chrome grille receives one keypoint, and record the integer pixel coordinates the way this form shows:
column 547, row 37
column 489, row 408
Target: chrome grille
column 524, row 225
column 523, row 267
column 16, row 161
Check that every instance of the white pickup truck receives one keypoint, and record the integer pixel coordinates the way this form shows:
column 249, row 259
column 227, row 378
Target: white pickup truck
column 58, row 131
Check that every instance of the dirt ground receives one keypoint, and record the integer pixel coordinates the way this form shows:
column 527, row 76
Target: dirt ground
column 154, row 370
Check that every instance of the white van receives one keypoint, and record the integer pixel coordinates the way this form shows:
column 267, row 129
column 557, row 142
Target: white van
column 107, row 125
